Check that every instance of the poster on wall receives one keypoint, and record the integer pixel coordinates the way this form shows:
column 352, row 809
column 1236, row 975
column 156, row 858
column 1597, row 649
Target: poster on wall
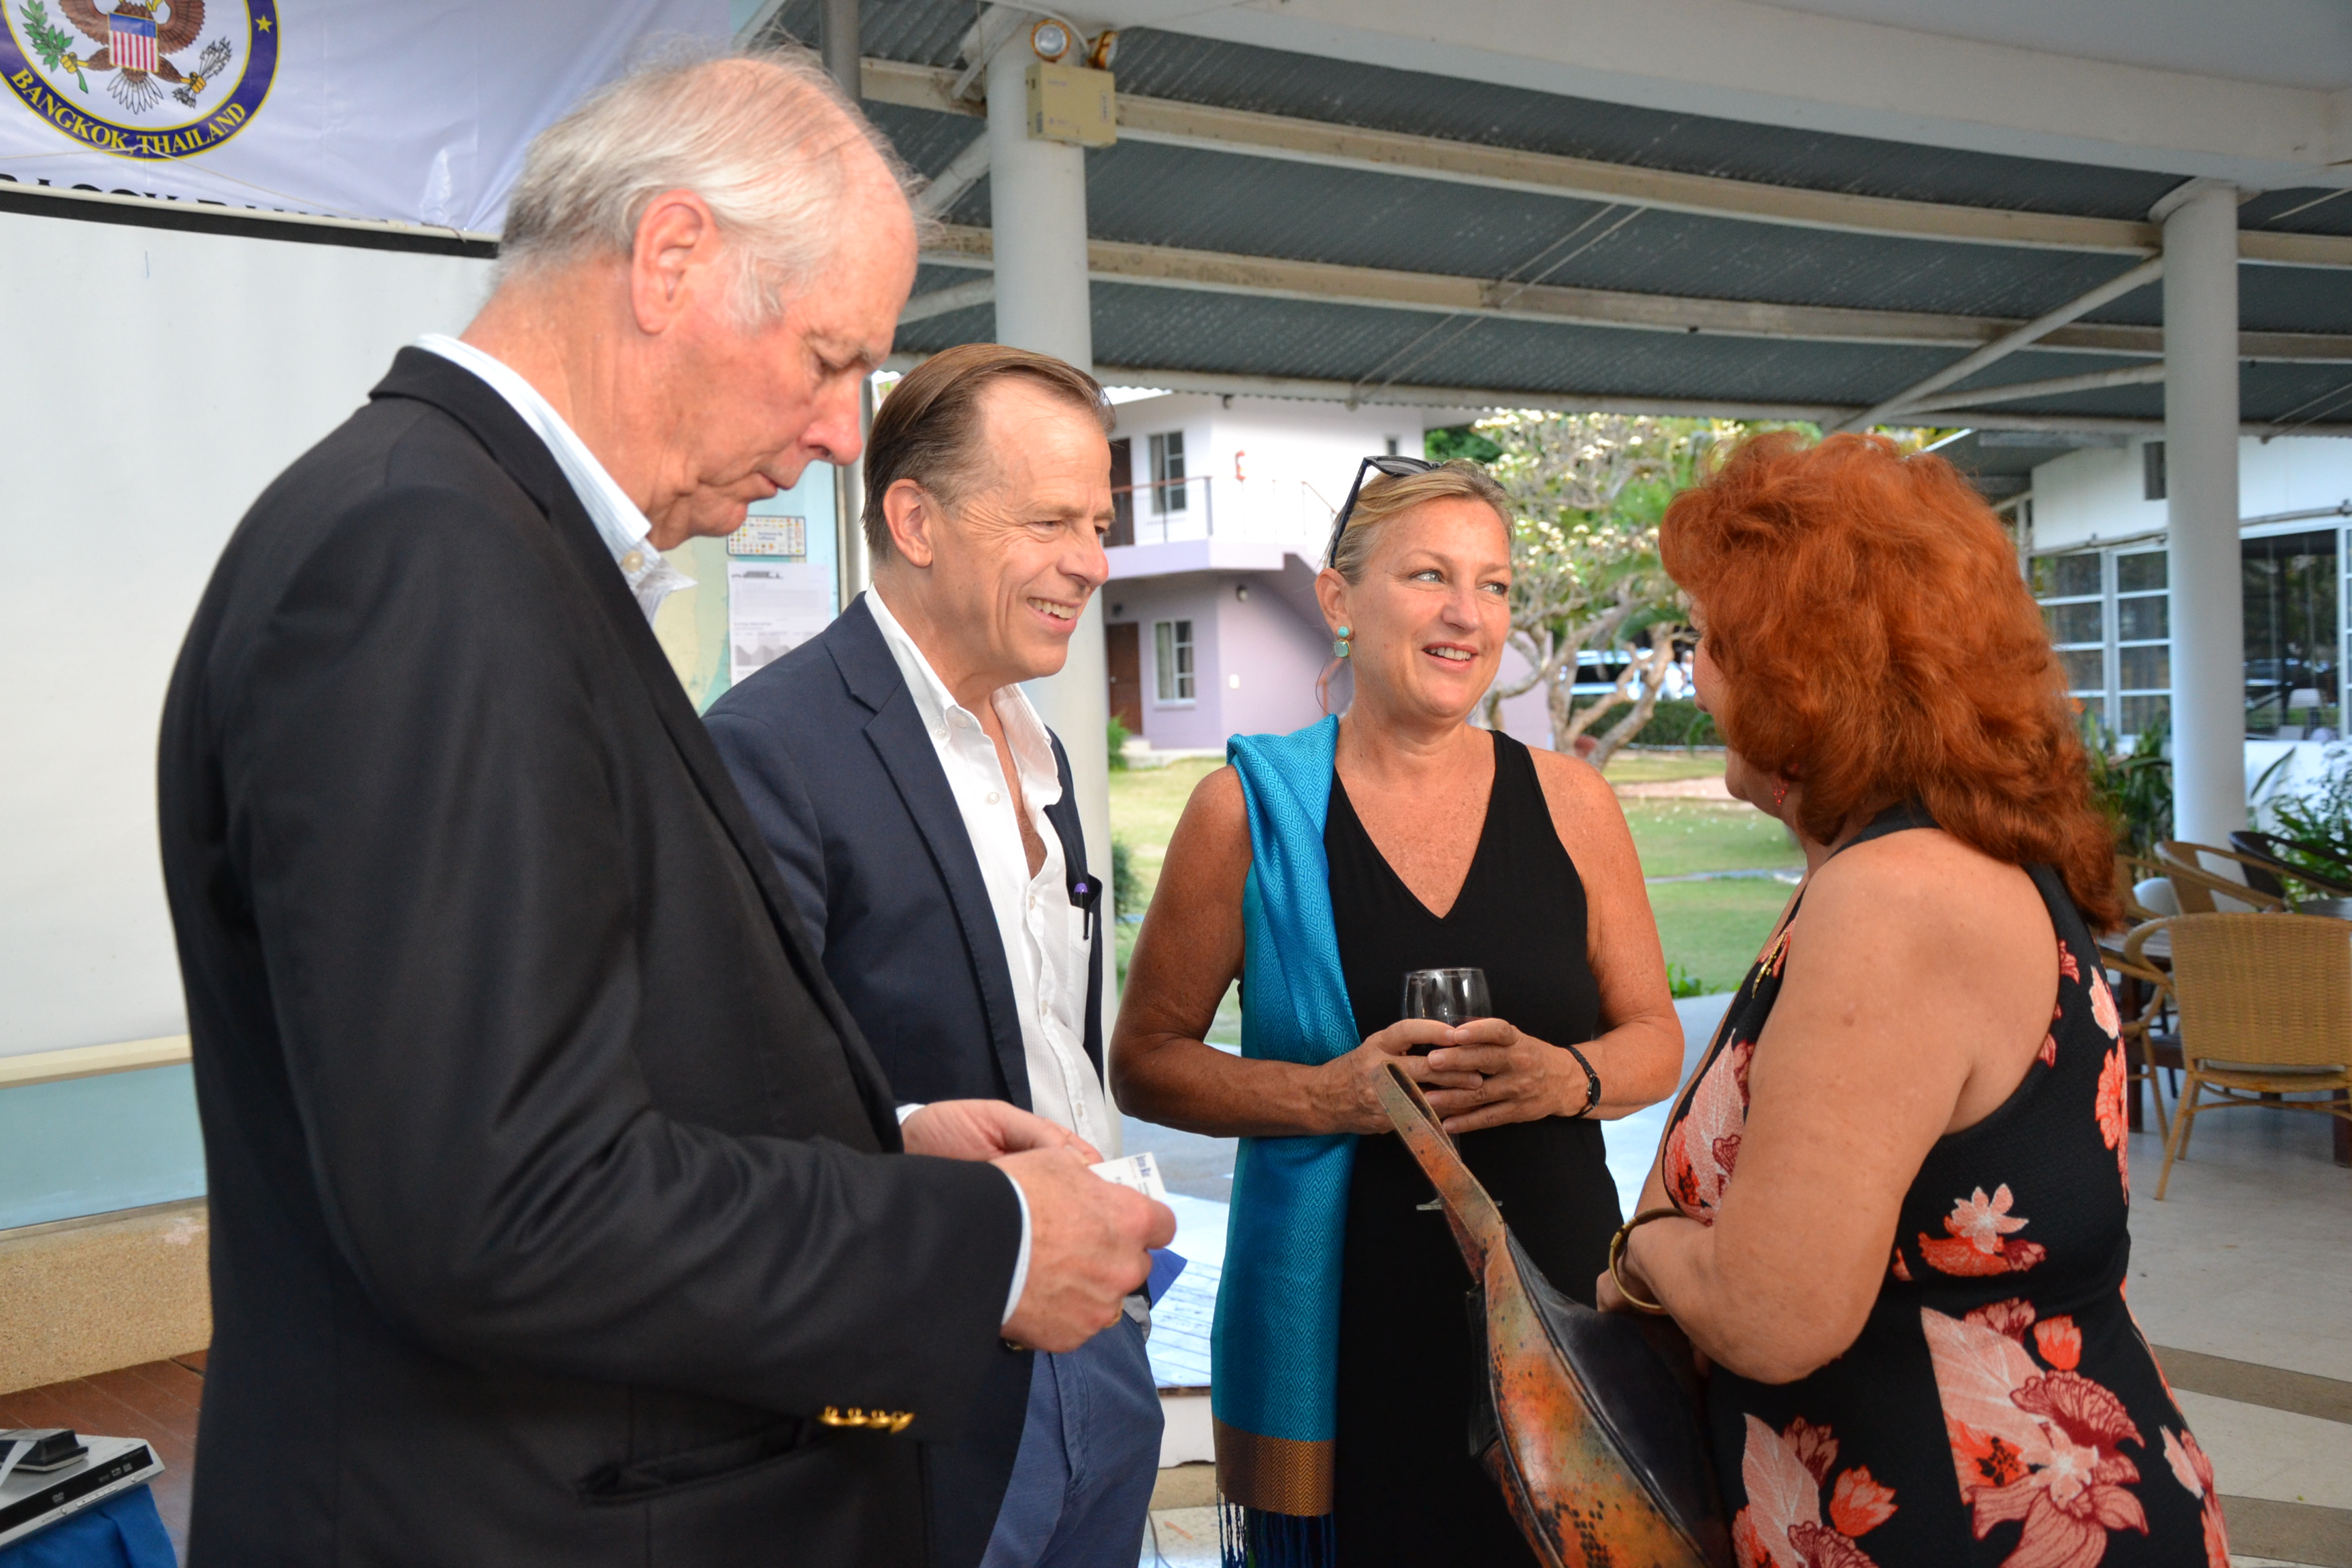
column 416, row 111
column 773, row 605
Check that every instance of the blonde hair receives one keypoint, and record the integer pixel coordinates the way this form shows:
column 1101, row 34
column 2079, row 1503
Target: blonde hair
column 1385, row 497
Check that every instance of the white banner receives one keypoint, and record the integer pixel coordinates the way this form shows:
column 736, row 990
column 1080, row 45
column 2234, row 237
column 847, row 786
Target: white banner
column 412, row 109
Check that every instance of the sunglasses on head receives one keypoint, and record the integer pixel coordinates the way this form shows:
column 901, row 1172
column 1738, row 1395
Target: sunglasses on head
column 1395, row 467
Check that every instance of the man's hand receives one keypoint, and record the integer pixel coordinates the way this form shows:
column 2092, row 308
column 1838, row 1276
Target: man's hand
column 985, row 1130
column 1088, row 1247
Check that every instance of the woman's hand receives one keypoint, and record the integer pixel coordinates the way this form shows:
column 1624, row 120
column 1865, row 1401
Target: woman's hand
column 1518, row 1078
column 1348, row 1089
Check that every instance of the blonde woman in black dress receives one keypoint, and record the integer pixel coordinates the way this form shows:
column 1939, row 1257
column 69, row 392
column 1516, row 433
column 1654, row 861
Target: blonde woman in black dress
column 1439, row 844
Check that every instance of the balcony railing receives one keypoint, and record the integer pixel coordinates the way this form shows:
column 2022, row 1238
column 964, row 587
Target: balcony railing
column 1276, row 511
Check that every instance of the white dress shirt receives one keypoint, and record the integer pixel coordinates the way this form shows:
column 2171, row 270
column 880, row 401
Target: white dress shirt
column 652, row 578
column 618, row 522
column 1044, row 934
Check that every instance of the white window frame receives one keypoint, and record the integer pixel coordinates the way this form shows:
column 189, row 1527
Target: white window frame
column 1175, row 664
column 1170, row 488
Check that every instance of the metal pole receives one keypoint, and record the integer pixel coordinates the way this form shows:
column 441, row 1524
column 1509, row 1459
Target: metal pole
column 2200, row 436
column 836, row 32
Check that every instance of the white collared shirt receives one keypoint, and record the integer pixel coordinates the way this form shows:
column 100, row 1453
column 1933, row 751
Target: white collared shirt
column 1044, row 934
column 618, row 522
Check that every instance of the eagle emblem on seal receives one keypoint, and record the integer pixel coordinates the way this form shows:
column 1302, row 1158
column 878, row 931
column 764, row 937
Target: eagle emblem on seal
column 135, row 42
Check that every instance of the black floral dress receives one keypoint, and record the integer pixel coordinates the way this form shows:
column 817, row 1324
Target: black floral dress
column 2000, row 1405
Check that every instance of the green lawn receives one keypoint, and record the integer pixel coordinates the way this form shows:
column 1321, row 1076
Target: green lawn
column 1676, row 837
column 1652, row 767
column 1714, row 929
column 1711, row 928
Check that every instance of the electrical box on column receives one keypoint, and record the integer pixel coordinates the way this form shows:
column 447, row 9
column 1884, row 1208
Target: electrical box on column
column 1075, row 104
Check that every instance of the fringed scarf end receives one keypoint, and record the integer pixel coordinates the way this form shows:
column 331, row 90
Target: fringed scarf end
column 1252, row 1537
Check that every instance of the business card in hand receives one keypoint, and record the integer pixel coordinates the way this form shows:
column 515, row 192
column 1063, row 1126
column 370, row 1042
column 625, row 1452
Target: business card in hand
column 1141, row 1171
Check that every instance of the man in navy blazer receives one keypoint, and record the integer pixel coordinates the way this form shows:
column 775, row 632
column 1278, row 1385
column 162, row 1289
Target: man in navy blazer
column 921, row 817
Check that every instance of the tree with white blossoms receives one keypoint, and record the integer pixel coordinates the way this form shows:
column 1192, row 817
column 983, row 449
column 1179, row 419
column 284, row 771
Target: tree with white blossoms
column 1589, row 489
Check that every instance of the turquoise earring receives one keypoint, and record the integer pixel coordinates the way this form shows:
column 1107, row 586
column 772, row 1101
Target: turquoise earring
column 1340, row 644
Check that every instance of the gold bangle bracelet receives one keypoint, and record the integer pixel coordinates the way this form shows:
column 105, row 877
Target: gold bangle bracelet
column 1617, row 1244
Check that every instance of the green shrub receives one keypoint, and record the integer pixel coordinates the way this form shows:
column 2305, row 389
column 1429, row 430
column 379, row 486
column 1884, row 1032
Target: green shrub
column 1126, row 892
column 2320, row 816
column 2133, row 788
column 1118, row 738
column 1682, row 983
column 1678, row 722
column 1459, row 441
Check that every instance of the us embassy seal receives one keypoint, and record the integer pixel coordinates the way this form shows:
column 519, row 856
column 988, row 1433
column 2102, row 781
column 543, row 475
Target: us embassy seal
column 146, row 78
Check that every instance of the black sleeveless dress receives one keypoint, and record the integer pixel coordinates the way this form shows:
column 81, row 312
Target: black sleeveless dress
column 2000, row 1405
column 1405, row 1491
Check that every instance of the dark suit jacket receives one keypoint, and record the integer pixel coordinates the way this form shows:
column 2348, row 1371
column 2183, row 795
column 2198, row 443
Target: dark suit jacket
column 831, row 754
column 555, row 1195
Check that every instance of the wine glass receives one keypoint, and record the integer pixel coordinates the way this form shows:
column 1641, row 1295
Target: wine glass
column 1448, row 995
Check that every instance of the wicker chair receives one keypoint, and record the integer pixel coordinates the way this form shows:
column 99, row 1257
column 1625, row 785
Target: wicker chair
column 2266, row 1007
column 2156, row 1049
column 2195, row 886
column 2260, row 874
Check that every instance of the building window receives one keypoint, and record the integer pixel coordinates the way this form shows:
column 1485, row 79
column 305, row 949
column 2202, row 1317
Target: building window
column 2151, row 470
column 1168, row 486
column 2109, row 615
column 1394, row 441
column 2291, row 659
column 2107, row 611
column 1172, row 646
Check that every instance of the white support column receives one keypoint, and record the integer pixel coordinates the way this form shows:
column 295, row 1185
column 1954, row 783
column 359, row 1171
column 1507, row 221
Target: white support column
column 2200, row 440
column 1037, row 199
column 1037, row 207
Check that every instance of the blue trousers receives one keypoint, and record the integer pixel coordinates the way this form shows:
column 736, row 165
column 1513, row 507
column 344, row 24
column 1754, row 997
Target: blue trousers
column 1089, row 1454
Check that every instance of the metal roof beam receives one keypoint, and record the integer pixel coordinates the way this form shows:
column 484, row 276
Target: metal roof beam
column 2019, row 391
column 1170, row 123
column 2000, row 348
column 1322, row 282
column 1476, row 399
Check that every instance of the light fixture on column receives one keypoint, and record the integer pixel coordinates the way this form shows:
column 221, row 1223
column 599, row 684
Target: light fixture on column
column 1052, row 39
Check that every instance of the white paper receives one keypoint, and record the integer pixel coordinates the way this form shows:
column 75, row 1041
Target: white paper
column 772, row 607
column 1140, row 1171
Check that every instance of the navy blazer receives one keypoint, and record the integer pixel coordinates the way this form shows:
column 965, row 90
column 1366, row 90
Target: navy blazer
column 829, row 751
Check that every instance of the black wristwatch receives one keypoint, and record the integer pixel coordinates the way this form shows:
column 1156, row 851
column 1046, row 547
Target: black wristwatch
column 1592, row 1082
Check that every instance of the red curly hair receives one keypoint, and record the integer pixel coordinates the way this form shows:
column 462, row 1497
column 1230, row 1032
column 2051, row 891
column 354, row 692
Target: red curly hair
column 1876, row 641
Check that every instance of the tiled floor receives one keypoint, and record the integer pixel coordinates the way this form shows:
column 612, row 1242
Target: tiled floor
column 157, row 1402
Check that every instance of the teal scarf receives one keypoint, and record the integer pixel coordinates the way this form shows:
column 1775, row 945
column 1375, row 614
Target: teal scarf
column 1277, row 1340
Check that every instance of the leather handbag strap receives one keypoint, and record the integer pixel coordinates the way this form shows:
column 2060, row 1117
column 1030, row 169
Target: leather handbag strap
column 1476, row 1220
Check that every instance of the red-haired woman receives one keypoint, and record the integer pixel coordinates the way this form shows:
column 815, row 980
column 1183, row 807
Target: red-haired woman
column 1893, row 1198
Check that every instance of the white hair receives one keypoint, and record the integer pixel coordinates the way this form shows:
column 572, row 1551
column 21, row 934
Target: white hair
column 766, row 139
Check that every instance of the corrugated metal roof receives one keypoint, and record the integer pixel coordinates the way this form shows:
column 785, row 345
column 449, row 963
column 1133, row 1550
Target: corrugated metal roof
column 1194, row 199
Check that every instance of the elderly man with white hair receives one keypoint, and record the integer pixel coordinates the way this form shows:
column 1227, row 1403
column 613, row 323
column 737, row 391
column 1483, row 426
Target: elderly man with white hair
column 560, row 1215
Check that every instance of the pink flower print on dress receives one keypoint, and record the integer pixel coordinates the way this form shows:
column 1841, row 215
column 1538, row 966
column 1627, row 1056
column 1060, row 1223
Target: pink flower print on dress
column 1860, row 1504
column 2066, row 964
column 2114, row 1113
column 1979, row 1242
column 1705, row 1142
column 2103, row 1008
column 2195, row 1471
column 2059, row 1343
column 1781, row 1525
column 2014, row 1317
column 2051, row 1440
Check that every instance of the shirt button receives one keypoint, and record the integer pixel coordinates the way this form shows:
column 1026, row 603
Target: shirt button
column 994, row 797
column 632, row 560
column 941, row 733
